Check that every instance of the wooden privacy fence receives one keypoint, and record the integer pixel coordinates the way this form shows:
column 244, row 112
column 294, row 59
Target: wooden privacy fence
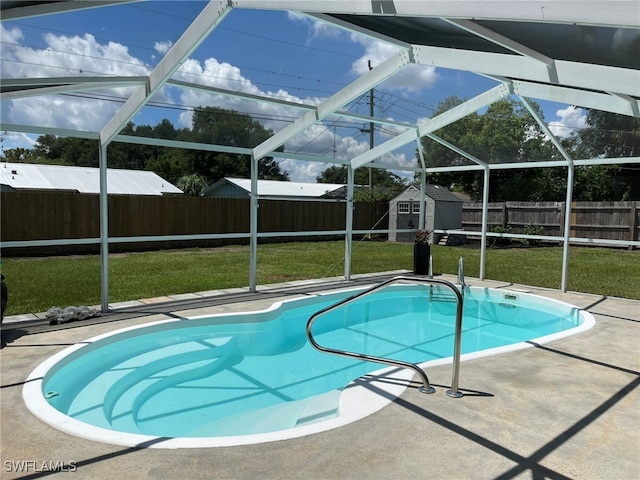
column 600, row 220
column 40, row 215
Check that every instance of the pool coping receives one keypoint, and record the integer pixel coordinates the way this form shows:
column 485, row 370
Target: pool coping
column 357, row 401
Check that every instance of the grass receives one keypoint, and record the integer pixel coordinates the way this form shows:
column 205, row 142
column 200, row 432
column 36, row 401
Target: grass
column 37, row 284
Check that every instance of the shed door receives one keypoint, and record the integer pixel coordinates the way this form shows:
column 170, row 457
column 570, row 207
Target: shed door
column 408, row 217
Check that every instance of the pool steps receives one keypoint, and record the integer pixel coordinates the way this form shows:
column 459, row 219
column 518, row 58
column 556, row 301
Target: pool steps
column 125, row 398
column 137, row 375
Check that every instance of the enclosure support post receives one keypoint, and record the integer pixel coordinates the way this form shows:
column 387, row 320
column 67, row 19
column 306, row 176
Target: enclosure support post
column 348, row 238
column 567, row 227
column 253, row 226
column 422, row 219
column 485, row 215
column 104, row 231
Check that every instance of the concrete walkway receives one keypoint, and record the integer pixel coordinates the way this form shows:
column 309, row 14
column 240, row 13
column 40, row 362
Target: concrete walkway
column 569, row 409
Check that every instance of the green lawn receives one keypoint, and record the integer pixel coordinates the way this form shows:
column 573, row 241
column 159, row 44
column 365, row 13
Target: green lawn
column 37, row 284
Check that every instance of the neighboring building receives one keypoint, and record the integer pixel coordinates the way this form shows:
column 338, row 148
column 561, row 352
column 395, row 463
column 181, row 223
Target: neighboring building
column 443, row 212
column 241, row 188
column 26, row 176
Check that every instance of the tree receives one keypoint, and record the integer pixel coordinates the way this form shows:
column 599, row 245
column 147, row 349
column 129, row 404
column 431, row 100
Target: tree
column 19, row 155
column 608, row 135
column 218, row 126
column 505, row 133
column 386, row 184
column 192, row 185
column 211, row 126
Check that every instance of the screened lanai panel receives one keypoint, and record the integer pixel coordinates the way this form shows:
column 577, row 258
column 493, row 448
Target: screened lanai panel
column 421, row 31
column 579, row 43
column 335, row 138
column 82, row 110
column 616, row 47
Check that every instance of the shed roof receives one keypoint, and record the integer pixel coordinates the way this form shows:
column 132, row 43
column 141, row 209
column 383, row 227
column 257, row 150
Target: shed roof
column 435, row 192
column 27, row 176
column 276, row 188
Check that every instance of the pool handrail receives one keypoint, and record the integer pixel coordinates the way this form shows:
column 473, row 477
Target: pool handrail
column 461, row 281
column 426, row 387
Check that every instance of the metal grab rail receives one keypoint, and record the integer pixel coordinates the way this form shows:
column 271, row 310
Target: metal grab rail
column 461, row 273
column 426, row 387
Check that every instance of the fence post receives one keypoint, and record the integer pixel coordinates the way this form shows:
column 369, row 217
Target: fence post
column 633, row 225
column 561, row 208
column 505, row 215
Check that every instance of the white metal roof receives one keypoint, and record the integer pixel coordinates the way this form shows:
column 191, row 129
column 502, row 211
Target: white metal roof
column 275, row 188
column 27, row 176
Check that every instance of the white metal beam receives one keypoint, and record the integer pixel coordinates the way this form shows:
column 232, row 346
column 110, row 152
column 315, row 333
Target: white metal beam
column 616, row 13
column 63, row 132
column 50, row 8
column 456, row 149
column 67, row 88
column 545, row 129
column 106, row 81
column 253, row 227
column 542, row 164
column 634, row 103
column 508, row 43
column 366, row 82
column 571, row 74
column 279, row 101
column 309, row 158
column 104, row 230
column 394, row 143
column 162, row 142
column 348, row 237
column 567, row 228
column 460, row 111
column 212, row 14
column 621, row 104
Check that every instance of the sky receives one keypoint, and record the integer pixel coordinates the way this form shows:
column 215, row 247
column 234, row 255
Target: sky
column 279, row 54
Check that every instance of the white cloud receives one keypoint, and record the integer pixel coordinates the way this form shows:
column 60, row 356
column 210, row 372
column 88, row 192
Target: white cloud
column 163, row 47
column 17, row 140
column 302, row 171
column 317, row 28
column 572, row 118
column 412, row 79
column 10, row 38
column 223, row 75
column 84, row 55
column 64, row 56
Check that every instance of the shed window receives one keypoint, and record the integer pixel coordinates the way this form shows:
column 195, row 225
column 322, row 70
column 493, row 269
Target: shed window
column 416, row 207
column 403, row 207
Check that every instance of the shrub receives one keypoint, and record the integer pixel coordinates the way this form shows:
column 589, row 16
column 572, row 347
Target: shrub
column 532, row 230
column 496, row 242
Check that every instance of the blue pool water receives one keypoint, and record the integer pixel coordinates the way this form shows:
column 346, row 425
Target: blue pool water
column 244, row 374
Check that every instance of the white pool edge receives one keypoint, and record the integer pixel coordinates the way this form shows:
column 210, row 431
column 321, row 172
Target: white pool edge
column 356, row 402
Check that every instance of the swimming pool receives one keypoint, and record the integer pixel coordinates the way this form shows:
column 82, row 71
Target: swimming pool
column 253, row 377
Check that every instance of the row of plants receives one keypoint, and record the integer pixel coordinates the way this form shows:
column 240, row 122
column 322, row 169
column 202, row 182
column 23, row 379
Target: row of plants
column 499, row 242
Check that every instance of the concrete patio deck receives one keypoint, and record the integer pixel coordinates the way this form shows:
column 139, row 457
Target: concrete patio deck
column 568, row 409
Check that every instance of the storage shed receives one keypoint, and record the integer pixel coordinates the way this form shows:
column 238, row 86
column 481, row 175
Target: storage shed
column 443, row 212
